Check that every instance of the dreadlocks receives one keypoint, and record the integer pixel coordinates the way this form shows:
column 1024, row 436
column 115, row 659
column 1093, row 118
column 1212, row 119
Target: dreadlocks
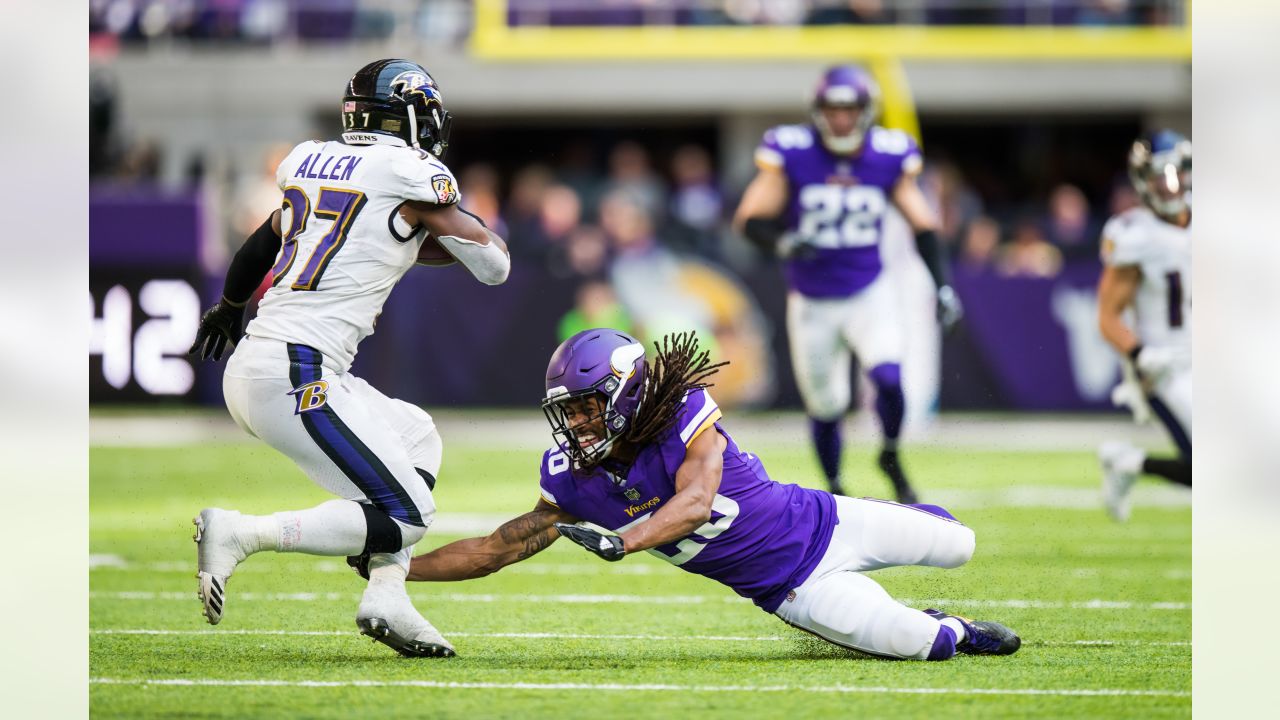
column 678, row 368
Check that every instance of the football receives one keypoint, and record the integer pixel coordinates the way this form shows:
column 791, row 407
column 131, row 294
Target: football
column 432, row 254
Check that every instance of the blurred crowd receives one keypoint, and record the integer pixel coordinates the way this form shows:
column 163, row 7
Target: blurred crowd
column 845, row 12
column 113, row 22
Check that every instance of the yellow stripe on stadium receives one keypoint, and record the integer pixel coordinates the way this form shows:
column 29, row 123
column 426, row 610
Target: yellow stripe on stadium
column 493, row 39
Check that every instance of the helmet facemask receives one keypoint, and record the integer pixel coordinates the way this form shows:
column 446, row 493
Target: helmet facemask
column 602, row 412
column 846, row 96
column 1162, row 179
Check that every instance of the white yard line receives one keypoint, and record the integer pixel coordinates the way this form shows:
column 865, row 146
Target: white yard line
column 586, row 599
column 629, row 687
column 583, row 636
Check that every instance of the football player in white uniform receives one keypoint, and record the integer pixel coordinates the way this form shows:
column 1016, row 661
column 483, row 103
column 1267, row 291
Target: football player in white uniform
column 1147, row 256
column 355, row 216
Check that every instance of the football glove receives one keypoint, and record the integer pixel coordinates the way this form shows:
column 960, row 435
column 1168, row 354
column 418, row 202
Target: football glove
column 608, row 547
column 792, row 246
column 219, row 326
column 1153, row 362
column 949, row 308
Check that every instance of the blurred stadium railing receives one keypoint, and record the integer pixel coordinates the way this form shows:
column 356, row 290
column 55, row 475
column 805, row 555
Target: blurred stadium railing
column 595, row 146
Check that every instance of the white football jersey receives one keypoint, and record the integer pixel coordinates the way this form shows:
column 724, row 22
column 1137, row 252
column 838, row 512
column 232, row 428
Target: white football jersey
column 1162, row 252
column 344, row 245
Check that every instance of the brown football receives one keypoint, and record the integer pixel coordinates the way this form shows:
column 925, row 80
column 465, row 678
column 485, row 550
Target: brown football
column 432, row 254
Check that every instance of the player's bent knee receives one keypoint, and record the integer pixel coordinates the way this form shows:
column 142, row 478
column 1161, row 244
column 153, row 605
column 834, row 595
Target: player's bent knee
column 382, row 533
column 958, row 548
column 411, row 534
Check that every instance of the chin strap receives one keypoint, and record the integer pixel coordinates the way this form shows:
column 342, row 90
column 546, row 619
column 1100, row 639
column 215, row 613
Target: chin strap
column 413, row 125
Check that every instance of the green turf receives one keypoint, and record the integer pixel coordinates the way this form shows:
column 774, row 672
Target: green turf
column 142, row 501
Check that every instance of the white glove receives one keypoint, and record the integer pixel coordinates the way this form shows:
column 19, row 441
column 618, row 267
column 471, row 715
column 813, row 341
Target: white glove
column 1131, row 394
column 1154, row 362
column 793, row 245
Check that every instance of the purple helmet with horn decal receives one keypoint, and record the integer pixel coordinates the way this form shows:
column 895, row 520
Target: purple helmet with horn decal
column 603, row 364
column 846, row 86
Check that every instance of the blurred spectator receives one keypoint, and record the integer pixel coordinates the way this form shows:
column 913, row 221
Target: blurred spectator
column 586, row 252
column 1123, row 196
column 524, row 208
column 257, row 196
column 981, row 239
column 1029, row 254
column 957, row 205
column 102, row 115
column 696, row 204
column 630, row 171
column 849, row 12
column 645, row 275
column 1105, row 12
column 595, row 306
column 478, row 185
column 140, row 163
column 561, row 212
column 1070, row 226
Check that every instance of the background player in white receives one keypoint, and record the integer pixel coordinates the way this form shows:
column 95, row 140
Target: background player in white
column 820, row 201
column 1147, row 254
column 355, row 217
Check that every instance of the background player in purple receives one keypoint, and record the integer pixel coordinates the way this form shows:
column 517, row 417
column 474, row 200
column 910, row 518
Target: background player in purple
column 819, row 202
column 640, row 450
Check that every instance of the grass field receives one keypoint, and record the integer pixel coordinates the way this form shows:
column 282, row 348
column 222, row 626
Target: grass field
column 1103, row 609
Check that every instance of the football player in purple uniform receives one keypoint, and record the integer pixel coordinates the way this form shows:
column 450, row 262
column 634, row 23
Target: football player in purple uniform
column 818, row 202
column 640, row 450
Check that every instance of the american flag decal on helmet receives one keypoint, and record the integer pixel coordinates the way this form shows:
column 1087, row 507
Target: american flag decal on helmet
column 349, row 106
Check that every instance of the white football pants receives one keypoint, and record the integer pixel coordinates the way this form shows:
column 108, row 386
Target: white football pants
column 1171, row 402
column 824, row 333
column 346, row 436
column 847, row 608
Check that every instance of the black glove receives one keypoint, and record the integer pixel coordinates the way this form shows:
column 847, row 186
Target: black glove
column 359, row 563
column 608, row 547
column 220, row 325
column 949, row 309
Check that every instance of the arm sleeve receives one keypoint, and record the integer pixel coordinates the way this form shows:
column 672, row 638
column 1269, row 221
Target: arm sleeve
column 252, row 261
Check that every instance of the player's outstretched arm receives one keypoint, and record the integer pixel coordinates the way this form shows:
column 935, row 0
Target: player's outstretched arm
column 1116, row 290
column 221, row 324
column 466, row 238
column 759, row 214
column 910, row 200
column 697, row 481
column 516, row 540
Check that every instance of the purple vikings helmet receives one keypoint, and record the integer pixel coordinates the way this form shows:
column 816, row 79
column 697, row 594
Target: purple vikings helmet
column 1160, row 169
column 846, row 86
column 598, row 362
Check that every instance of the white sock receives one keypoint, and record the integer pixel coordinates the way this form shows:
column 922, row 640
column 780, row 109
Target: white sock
column 389, row 570
column 333, row 528
column 957, row 627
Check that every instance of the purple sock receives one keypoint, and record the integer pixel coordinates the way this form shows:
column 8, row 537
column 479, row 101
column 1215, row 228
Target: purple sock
column 826, row 440
column 944, row 645
column 890, row 403
column 934, row 510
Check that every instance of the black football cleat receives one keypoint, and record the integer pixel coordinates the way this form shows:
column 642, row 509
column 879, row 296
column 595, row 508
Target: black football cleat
column 892, row 468
column 983, row 637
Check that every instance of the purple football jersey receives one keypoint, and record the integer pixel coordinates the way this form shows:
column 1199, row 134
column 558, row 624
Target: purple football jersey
column 837, row 203
column 763, row 539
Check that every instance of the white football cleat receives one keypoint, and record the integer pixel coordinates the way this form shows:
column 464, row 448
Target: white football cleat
column 1121, row 463
column 218, row 553
column 387, row 616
